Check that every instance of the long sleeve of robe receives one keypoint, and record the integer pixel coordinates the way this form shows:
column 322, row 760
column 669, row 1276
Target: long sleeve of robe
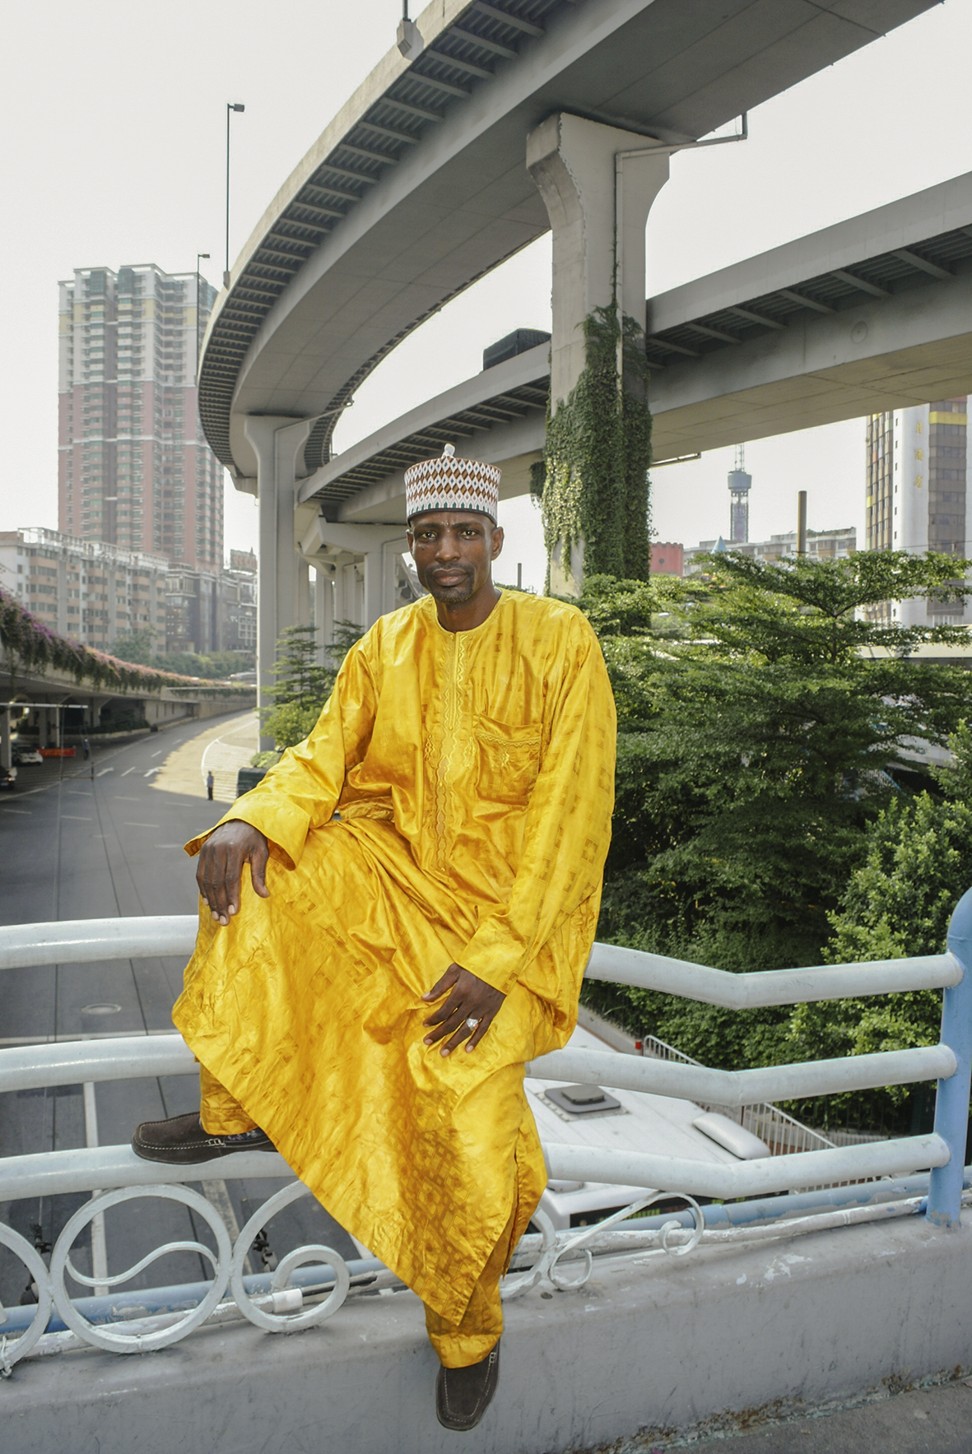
column 451, row 805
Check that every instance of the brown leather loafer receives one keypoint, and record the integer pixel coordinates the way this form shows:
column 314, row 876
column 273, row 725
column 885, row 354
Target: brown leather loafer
column 462, row 1395
column 181, row 1140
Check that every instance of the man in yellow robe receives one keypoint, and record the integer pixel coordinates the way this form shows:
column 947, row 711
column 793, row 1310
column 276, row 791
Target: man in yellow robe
column 425, row 874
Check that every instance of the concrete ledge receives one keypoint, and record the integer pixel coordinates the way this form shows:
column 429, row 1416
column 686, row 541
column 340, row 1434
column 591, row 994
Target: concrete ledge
column 647, row 1348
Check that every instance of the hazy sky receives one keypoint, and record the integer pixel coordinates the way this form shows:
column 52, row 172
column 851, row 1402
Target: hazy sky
column 114, row 152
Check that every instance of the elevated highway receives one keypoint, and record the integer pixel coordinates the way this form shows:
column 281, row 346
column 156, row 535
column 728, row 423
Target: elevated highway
column 420, row 185
column 873, row 313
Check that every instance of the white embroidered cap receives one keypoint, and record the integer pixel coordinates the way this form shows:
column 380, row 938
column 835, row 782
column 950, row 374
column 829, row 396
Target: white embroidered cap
column 450, row 482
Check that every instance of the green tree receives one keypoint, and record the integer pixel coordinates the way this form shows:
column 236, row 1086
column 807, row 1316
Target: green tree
column 760, row 729
column 137, row 647
column 210, row 665
column 302, row 682
column 897, row 903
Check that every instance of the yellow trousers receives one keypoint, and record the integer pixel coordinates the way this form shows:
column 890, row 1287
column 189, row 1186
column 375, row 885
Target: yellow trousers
column 457, row 1344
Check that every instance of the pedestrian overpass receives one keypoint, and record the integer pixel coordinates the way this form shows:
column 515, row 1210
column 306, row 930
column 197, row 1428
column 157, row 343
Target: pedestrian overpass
column 51, row 705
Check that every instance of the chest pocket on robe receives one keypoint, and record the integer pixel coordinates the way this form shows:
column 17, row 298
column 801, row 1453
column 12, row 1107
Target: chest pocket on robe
column 508, row 760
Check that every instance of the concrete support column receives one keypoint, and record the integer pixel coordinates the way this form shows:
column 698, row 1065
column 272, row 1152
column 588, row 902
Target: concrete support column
column 6, row 748
column 597, row 183
column 368, row 587
column 276, row 443
column 390, row 554
column 303, row 593
column 374, row 580
column 344, row 604
column 324, row 608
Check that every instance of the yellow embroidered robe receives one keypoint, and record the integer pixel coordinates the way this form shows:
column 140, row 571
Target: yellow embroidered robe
column 472, row 774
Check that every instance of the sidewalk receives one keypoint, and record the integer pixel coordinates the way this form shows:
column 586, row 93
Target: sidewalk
column 223, row 747
column 932, row 1420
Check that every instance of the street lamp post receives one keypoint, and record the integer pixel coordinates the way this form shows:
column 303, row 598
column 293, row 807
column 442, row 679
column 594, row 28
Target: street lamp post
column 199, row 257
column 230, row 106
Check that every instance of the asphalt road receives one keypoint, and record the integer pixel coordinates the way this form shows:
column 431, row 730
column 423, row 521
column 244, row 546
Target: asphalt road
column 103, row 838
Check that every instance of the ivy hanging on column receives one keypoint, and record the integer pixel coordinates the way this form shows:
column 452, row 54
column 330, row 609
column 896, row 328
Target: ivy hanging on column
column 597, row 452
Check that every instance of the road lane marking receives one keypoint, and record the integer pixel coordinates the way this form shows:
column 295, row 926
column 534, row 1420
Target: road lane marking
column 140, row 825
column 128, row 770
column 24, row 812
column 157, row 754
column 105, row 770
column 76, row 817
column 120, row 798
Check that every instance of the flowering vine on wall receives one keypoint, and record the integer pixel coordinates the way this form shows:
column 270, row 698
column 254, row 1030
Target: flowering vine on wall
column 35, row 646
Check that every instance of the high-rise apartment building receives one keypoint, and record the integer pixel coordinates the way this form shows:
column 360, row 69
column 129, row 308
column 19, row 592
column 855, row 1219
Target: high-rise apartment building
column 919, row 493
column 134, row 469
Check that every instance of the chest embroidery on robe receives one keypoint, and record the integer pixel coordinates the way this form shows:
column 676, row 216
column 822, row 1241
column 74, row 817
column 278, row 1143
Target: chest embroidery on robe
column 449, row 746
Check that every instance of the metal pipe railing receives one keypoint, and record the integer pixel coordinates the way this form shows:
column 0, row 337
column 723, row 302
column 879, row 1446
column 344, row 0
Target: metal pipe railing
column 950, row 1063
column 939, row 1155
column 764, row 987
column 127, row 1057
column 952, row 1101
column 60, row 1173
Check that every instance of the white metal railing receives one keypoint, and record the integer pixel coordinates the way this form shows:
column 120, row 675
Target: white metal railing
column 312, row 1282
column 777, row 1128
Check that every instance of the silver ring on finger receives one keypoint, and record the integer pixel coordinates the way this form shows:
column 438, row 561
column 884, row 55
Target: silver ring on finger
column 472, row 1023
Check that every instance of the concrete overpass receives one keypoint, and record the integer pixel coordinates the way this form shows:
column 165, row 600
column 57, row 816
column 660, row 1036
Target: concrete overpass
column 419, row 186
column 873, row 313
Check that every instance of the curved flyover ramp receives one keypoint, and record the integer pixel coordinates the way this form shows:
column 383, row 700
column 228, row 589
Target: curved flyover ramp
column 419, row 185
column 870, row 314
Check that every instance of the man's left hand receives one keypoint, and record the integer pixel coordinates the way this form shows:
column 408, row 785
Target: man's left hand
column 467, row 999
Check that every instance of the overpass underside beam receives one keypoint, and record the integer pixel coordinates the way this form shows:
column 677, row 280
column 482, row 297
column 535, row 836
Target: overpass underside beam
column 882, row 354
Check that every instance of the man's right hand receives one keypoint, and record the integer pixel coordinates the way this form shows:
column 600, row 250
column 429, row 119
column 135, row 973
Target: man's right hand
column 220, row 867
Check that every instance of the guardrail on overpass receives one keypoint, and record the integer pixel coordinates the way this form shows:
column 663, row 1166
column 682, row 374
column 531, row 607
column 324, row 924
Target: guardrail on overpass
column 312, row 1283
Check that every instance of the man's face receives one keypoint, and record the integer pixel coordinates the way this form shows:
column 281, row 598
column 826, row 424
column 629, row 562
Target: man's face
column 453, row 552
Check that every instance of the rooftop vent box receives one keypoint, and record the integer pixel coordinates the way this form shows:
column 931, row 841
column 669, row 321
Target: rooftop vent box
column 582, row 1100
column 517, row 342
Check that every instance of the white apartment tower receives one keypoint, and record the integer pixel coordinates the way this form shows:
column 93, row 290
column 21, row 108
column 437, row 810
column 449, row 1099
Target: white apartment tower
column 919, row 493
column 134, row 469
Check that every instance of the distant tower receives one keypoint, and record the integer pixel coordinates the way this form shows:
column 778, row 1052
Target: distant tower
column 740, row 484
